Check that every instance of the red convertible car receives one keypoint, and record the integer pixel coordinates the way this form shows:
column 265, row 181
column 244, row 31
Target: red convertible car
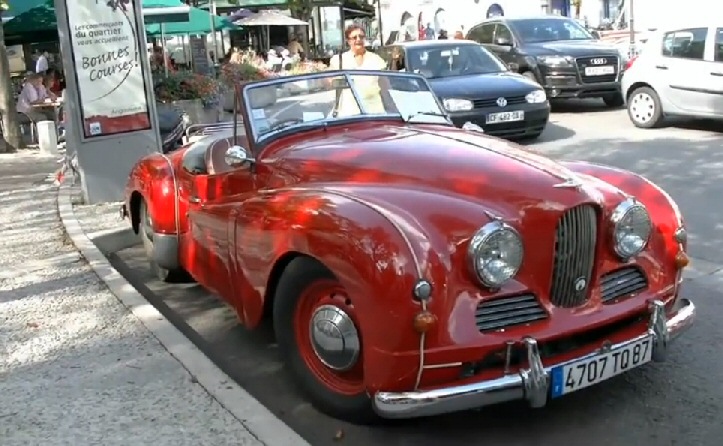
column 412, row 268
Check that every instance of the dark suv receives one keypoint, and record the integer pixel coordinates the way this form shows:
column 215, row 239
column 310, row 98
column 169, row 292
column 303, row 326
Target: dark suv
column 558, row 53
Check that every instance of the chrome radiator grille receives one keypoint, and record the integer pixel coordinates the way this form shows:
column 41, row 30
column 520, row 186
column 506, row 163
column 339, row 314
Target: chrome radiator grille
column 575, row 242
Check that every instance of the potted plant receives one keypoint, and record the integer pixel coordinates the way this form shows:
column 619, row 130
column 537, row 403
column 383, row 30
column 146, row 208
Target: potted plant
column 235, row 73
column 199, row 96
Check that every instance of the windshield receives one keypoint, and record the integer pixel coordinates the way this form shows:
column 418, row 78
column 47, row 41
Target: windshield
column 549, row 30
column 310, row 101
column 453, row 60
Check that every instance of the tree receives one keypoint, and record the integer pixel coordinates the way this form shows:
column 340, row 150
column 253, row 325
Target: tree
column 301, row 9
column 10, row 125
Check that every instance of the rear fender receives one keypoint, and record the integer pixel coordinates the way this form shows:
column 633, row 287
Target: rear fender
column 369, row 255
column 153, row 180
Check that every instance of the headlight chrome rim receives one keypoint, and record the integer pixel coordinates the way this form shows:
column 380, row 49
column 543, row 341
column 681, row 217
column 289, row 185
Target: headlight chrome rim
column 619, row 215
column 478, row 241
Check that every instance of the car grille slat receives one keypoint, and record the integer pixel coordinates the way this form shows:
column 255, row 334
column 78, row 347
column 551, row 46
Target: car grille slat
column 575, row 242
column 624, row 282
column 584, row 62
column 507, row 312
column 511, row 100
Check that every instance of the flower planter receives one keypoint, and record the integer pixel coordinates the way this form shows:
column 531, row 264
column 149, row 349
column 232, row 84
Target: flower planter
column 197, row 113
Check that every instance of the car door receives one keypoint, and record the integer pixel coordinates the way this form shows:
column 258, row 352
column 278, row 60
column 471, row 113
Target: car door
column 684, row 70
column 499, row 45
column 483, row 34
column 716, row 74
column 211, row 212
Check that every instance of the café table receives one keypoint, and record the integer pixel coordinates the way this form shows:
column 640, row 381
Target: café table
column 56, row 105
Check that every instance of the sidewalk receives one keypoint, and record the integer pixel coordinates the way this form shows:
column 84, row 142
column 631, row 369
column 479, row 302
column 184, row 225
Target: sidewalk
column 76, row 367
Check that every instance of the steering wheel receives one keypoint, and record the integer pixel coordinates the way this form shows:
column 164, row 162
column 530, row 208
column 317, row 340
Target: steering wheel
column 285, row 123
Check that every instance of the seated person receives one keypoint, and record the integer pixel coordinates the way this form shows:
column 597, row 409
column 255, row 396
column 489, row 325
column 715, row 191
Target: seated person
column 33, row 93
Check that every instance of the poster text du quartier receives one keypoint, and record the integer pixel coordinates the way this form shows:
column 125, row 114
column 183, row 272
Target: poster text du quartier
column 108, row 63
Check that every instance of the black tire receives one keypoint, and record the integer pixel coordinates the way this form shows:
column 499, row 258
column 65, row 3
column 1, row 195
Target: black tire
column 614, row 100
column 298, row 277
column 146, row 234
column 531, row 76
column 644, row 109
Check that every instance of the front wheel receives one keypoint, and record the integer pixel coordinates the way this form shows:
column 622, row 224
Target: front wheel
column 614, row 100
column 644, row 108
column 318, row 334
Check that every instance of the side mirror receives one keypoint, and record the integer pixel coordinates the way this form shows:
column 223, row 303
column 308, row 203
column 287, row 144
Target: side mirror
column 237, row 156
column 503, row 41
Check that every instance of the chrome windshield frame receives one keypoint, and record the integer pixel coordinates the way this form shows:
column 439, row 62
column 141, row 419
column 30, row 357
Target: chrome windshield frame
column 260, row 140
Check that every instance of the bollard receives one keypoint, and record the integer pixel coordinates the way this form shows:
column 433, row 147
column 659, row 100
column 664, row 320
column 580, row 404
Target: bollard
column 47, row 137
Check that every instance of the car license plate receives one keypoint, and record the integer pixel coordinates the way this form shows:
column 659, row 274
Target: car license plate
column 586, row 372
column 599, row 71
column 511, row 116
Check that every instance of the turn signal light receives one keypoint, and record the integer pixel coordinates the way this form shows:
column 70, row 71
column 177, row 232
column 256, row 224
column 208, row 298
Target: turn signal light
column 681, row 260
column 424, row 321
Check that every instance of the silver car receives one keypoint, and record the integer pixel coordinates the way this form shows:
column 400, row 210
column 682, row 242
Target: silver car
column 678, row 73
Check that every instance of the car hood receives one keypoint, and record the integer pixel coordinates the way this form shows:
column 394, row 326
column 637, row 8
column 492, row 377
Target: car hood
column 482, row 86
column 439, row 161
column 575, row 48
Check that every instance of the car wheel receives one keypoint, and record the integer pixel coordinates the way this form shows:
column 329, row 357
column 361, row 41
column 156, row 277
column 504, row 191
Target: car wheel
column 531, row 76
column 317, row 331
column 644, row 108
column 146, row 234
column 614, row 100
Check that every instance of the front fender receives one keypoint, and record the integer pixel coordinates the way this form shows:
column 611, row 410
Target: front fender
column 152, row 179
column 664, row 212
column 364, row 249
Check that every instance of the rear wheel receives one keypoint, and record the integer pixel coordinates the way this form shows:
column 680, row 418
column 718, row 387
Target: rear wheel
column 317, row 331
column 644, row 108
column 146, row 234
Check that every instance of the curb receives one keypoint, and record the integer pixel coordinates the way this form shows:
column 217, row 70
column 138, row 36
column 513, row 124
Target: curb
column 257, row 419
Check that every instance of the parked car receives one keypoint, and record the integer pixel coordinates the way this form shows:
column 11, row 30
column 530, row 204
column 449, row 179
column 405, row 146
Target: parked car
column 557, row 52
column 678, row 73
column 410, row 267
column 475, row 86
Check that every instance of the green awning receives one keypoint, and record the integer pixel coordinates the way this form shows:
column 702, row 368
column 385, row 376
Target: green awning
column 17, row 7
column 199, row 22
column 40, row 19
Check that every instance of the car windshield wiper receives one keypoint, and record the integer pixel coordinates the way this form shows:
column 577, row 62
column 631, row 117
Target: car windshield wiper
column 424, row 113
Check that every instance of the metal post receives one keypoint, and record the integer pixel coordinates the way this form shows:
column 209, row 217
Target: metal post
column 379, row 22
column 631, row 25
column 212, row 10
column 163, row 48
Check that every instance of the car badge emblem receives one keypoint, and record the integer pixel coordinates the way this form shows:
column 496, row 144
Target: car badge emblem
column 580, row 284
column 570, row 183
column 599, row 61
column 502, row 102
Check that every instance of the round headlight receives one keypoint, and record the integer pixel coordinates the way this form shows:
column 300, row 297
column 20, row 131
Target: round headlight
column 495, row 254
column 631, row 228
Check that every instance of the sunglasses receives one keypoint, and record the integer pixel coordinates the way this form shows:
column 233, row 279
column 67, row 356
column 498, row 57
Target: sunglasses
column 357, row 37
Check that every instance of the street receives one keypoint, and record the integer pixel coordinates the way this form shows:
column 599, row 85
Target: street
column 674, row 403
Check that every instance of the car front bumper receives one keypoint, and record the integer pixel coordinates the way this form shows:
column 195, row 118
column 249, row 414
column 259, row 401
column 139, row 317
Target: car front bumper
column 531, row 384
column 536, row 117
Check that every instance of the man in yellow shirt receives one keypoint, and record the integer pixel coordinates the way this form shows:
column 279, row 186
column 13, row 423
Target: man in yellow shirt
column 358, row 58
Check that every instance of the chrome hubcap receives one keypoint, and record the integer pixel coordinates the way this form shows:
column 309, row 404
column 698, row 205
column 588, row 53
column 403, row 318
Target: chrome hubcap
column 642, row 108
column 334, row 338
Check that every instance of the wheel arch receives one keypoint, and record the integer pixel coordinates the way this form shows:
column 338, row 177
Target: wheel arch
column 134, row 205
column 635, row 86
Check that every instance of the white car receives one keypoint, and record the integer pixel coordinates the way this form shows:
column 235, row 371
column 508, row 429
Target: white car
column 679, row 72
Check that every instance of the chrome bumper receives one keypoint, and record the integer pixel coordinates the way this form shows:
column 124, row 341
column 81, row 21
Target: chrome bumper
column 531, row 384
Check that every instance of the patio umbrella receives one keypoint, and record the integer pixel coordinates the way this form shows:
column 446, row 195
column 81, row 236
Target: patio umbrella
column 270, row 18
column 199, row 22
